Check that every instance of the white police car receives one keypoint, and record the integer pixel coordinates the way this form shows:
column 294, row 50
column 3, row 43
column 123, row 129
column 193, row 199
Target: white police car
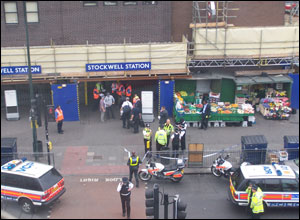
column 30, row 184
column 279, row 184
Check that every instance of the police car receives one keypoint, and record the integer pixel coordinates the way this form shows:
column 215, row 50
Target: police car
column 279, row 184
column 30, row 184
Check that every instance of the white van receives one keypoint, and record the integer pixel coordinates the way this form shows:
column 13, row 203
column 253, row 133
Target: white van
column 30, row 184
column 279, row 184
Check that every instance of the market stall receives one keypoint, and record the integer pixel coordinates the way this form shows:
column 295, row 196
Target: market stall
column 221, row 112
column 277, row 107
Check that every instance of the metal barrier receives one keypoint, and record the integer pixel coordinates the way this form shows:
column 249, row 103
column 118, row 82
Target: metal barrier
column 237, row 156
column 38, row 157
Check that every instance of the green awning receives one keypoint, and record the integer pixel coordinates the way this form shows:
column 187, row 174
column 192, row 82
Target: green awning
column 252, row 80
column 244, row 80
column 281, row 79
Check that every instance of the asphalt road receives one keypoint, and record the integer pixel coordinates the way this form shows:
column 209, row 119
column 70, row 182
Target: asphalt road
column 92, row 196
column 206, row 197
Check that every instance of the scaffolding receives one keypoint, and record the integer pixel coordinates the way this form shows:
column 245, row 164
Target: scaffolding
column 216, row 44
column 207, row 14
column 294, row 11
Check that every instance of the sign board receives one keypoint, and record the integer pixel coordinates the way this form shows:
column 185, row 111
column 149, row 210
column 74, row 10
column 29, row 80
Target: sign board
column 11, row 98
column 97, row 67
column 11, row 104
column 147, row 106
column 12, row 70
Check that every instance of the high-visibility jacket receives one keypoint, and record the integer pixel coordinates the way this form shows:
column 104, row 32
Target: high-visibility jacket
column 161, row 137
column 59, row 115
column 168, row 128
column 114, row 87
column 134, row 161
column 96, row 93
column 128, row 91
column 121, row 90
column 249, row 191
column 134, row 100
column 257, row 205
column 147, row 133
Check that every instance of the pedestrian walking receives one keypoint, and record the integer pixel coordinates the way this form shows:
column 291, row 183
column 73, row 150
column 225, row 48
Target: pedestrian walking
column 109, row 101
column 133, row 163
column 257, row 205
column 102, row 108
column 59, row 117
column 168, row 127
column 125, row 112
column 175, row 138
column 182, row 127
column 147, row 133
column 160, row 139
column 205, row 115
column 163, row 116
column 124, row 188
column 136, row 116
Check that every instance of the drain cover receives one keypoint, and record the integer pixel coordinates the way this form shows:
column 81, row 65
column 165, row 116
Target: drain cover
column 97, row 157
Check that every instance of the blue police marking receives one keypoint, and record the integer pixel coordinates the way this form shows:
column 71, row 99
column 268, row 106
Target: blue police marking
column 12, row 70
column 284, row 204
column 25, row 167
column 295, row 196
column 267, row 170
column 97, row 67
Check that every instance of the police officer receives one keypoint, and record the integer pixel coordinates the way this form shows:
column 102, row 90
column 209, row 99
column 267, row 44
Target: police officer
column 125, row 188
column 175, row 138
column 182, row 127
column 168, row 127
column 160, row 139
column 133, row 163
column 249, row 192
column 257, row 205
column 147, row 132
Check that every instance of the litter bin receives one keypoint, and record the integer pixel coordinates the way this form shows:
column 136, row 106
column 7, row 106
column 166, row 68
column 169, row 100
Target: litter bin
column 8, row 149
column 39, row 146
column 291, row 145
column 254, row 149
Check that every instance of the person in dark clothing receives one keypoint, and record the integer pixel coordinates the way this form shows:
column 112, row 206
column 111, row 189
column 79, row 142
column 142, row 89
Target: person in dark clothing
column 205, row 115
column 133, row 163
column 122, row 100
column 182, row 128
column 138, row 104
column 163, row 116
column 175, row 138
column 135, row 118
column 124, row 189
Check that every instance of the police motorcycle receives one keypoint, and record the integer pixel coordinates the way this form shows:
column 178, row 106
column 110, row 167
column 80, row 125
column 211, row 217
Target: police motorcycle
column 222, row 167
column 175, row 173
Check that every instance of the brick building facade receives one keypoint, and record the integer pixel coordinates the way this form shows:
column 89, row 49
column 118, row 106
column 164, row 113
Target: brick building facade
column 72, row 23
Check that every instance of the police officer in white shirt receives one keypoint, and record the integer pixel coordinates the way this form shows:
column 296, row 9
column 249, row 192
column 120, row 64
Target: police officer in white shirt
column 125, row 188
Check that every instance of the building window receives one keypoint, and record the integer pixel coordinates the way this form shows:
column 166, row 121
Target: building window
column 129, row 3
column 11, row 13
column 110, row 3
column 90, row 3
column 32, row 12
column 150, row 3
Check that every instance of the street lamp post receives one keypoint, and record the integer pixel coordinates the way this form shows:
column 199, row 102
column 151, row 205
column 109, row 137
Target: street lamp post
column 32, row 111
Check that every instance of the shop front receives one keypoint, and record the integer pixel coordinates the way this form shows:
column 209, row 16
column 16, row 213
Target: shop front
column 220, row 91
column 269, row 94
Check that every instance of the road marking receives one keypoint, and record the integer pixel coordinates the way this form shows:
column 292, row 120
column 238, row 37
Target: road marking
column 146, row 187
column 116, row 179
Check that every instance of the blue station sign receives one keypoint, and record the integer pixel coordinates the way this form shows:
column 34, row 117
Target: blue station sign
column 96, row 67
column 12, row 70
